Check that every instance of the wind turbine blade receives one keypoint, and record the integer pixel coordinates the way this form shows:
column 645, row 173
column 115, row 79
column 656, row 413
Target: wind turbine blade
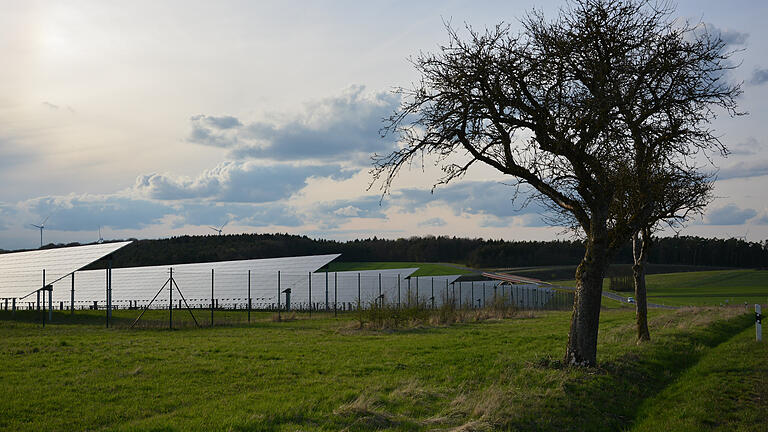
column 44, row 220
column 36, row 226
column 213, row 228
column 225, row 223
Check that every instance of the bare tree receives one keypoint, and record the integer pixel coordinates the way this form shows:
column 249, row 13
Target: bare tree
column 665, row 197
column 552, row 108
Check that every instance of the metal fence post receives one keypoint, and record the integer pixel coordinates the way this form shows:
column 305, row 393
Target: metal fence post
column 249, row 296
column 335, row 293
column 398, row 290
column 212, row 297
column 170, row 300
column 359, row 293
column 327, row 306
column 309, row 299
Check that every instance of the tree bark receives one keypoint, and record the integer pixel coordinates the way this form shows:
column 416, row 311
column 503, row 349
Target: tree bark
column 640, row 245
column 585, row 320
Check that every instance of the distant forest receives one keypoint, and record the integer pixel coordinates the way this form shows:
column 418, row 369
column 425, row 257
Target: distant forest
column 479, row 253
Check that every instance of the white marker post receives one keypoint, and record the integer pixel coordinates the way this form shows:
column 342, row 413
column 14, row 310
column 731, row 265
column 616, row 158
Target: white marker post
column 758, row 323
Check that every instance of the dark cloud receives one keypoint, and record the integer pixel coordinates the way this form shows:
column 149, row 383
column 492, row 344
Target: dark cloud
column 471, row 197
column 748, row 147
column 759, row 76
column 82, row 213
column 345, row 126
column 729, row 36
column 434, row 222
column 731, row 214
column 237, row 182
column 745, row 169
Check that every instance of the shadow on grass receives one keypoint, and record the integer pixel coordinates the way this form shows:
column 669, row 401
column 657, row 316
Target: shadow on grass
column 607, row 398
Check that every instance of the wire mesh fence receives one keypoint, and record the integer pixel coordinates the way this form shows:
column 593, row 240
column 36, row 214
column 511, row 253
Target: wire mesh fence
column 222, row 297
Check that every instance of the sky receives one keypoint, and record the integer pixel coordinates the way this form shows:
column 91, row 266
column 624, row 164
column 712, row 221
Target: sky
column 156, row 119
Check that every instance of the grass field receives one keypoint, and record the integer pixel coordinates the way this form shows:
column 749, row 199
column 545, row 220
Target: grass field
column 704, row 288
column 425, row 269
column 325, row 374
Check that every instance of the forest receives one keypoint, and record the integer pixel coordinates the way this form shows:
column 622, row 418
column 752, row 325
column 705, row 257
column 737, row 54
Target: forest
column 477, row 252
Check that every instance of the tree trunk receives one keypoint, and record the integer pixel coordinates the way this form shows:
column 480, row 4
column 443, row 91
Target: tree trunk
column 585, row 320
column 640, row 245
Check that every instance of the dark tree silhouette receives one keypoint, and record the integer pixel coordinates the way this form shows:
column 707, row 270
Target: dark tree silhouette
column 553, row 108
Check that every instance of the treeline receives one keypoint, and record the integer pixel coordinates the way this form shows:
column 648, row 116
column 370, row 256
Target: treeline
column 477, row 253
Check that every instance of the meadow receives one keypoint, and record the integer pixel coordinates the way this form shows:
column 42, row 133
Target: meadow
column 702, row 288
column 701, row 371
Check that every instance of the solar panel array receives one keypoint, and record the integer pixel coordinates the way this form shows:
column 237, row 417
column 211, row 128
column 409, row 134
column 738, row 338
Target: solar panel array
column 21, row 273
column 138, row 285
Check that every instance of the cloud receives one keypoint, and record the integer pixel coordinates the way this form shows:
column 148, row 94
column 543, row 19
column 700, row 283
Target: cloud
column 729, row 215
column 745, row 169
column 88, row 212
column 344, row 127
column 55, row 107
column 236, row 181
column 729, row 36
column 434, row 222
column 759, row 76
column 470, row 197
column 244, row 214
column 748, row 147
column 331, row 214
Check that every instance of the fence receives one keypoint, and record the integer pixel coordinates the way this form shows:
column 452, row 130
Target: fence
column 137, row 288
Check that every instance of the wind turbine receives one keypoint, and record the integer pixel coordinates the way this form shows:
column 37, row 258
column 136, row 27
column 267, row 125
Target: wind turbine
column 41, row 227
column 220, row 229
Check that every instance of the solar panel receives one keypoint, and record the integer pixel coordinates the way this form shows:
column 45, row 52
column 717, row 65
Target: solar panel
column 21, row 273
column 137, row 285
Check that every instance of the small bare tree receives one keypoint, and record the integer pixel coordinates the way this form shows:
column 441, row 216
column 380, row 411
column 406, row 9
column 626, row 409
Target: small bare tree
column 552, row 107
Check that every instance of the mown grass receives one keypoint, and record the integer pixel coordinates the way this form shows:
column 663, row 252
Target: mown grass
column 327, row 374
column 425, row 269
column 703, row 288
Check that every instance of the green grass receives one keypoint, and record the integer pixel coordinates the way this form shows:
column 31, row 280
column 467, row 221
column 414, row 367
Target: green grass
column 425, row 269
column 324, row 374
column 703, row 288
column 727, row 391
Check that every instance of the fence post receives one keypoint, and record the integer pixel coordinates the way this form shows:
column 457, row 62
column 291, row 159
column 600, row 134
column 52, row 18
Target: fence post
column 249, row 296
column 72, row 296
column 310, row 293
column 417, row 291
column 358, row 292
column 327, row 306
column 212, row 297
column 278, row 295
column 382, row 298
column 170, row 301
column 472, row 291
column 758, row 323
column 335, row 293
column 13, row 307
column 398, row 290
column 433, row 292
